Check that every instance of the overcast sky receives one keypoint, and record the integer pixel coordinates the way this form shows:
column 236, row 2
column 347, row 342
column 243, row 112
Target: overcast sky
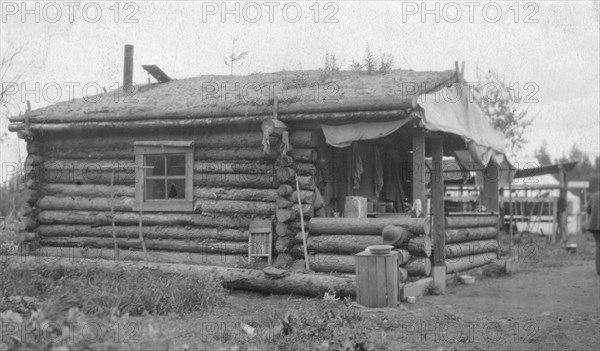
column 553, row 46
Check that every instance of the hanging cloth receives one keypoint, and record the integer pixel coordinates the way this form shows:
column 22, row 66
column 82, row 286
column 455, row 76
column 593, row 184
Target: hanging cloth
column 357, row 169
column 378, row 171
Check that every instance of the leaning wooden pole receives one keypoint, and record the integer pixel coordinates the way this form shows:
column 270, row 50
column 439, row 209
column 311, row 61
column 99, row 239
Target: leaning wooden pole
column 302, row 225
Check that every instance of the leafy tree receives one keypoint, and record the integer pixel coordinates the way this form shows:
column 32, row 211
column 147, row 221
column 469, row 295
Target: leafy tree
column 504, row 108
column 542, row 154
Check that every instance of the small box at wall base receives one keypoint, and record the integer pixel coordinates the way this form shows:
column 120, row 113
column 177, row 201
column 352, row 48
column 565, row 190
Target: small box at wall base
column 377, row 279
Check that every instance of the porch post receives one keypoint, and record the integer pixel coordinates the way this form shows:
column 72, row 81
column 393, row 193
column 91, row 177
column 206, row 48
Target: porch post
column 437, row 209
column 418, row 164
column 490, row 197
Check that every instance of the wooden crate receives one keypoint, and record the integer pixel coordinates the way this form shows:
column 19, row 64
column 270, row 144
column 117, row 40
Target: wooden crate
column 260, row 241
column 377, row 279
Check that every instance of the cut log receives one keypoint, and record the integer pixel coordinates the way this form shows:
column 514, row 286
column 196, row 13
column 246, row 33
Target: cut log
column 152, row 244
column 471, row 221
column 306, row 169
column 283, row 244
column 285, row 215
column 79, row 203
column 470, row 234
column 89, row 190
column 233, row 206
column 459, row 264
column 403, row 256
column 248, row 167
column 149, row 232
column 420, row 266
column 284, row 229
column 307, row 210
column 396, row 236
column 121, row 218
column 285, row 174
column 284, row 190
column 364, row 226
column 283, row 203
column 341, row 244
column 471, row 248
column 232, row 278
column 266, row 181
column 304, row 155
column 306, row 196
column 419, row 246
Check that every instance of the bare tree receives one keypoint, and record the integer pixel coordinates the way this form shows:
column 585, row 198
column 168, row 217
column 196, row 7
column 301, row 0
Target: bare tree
column 233, row 58
column 10, row 77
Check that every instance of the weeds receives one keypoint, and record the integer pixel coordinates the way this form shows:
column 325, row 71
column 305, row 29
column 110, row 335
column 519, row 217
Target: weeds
column 99, row 293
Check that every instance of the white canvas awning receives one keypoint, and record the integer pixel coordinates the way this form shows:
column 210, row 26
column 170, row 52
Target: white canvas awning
column 454, row 110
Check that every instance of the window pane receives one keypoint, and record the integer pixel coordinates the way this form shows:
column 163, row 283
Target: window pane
column 155, row 189
column 176, row 165
column 176, row 188
column 156, row 161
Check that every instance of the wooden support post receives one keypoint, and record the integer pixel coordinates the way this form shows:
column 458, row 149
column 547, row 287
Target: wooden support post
column 437, row 209
column 112, row 213
column 562, row 205
column 510, row 221
column 418, row 164
column 490, row 187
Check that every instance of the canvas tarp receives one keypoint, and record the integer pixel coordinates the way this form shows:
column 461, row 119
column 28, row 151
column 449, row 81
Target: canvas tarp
column 344, row 135
column 454, row 110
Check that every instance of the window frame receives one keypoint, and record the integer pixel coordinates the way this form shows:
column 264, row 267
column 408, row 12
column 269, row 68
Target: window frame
column 163, row 148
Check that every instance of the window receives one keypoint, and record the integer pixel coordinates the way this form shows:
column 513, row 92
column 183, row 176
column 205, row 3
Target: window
column 164, row 176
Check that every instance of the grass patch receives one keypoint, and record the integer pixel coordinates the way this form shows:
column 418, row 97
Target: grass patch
column 101, row 293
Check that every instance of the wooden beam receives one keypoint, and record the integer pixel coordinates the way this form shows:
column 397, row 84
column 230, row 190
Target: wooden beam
column 437, row 209
column 418, row 163
column 490, row 196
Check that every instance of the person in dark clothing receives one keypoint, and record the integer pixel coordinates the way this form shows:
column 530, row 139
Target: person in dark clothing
column 593, row 211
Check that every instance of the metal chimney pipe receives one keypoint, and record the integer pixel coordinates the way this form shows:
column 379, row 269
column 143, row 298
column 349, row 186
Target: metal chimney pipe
column 128, row 67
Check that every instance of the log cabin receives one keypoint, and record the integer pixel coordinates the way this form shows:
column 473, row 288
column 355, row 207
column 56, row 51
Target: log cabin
column 180, row 169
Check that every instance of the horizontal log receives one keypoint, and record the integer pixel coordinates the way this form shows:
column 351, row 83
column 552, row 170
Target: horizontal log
column 125, row 218
column 328, row 263
column 402, row 275
column 234, row 154
column 363, row 226
column 151, row 244
column 247, row 167
column 284, row 190
column 85, row 204
column 420, row 266
column 403, row 256
column 86, row 176
column 232, row 278
column 471, row 248
column 234, row 206
column 283, row 203
column 285, row 215
column 470, row 234
column 306, row 196
column 304, row 155
column 149, row 232
column 304, row 138
column 471, row 221
column 341, row 244
column 459, row 264
column 89, row 190
column 265, row 181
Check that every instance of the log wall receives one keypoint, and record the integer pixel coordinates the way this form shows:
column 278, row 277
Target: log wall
column 68, row 193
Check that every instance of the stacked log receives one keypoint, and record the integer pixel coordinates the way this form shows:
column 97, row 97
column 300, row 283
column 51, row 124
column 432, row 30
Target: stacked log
column 69, row 192
column 299, row 163
column 333, row 242
column 471, row 241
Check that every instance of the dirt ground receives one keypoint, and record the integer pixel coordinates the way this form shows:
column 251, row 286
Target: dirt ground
column 553, row 303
